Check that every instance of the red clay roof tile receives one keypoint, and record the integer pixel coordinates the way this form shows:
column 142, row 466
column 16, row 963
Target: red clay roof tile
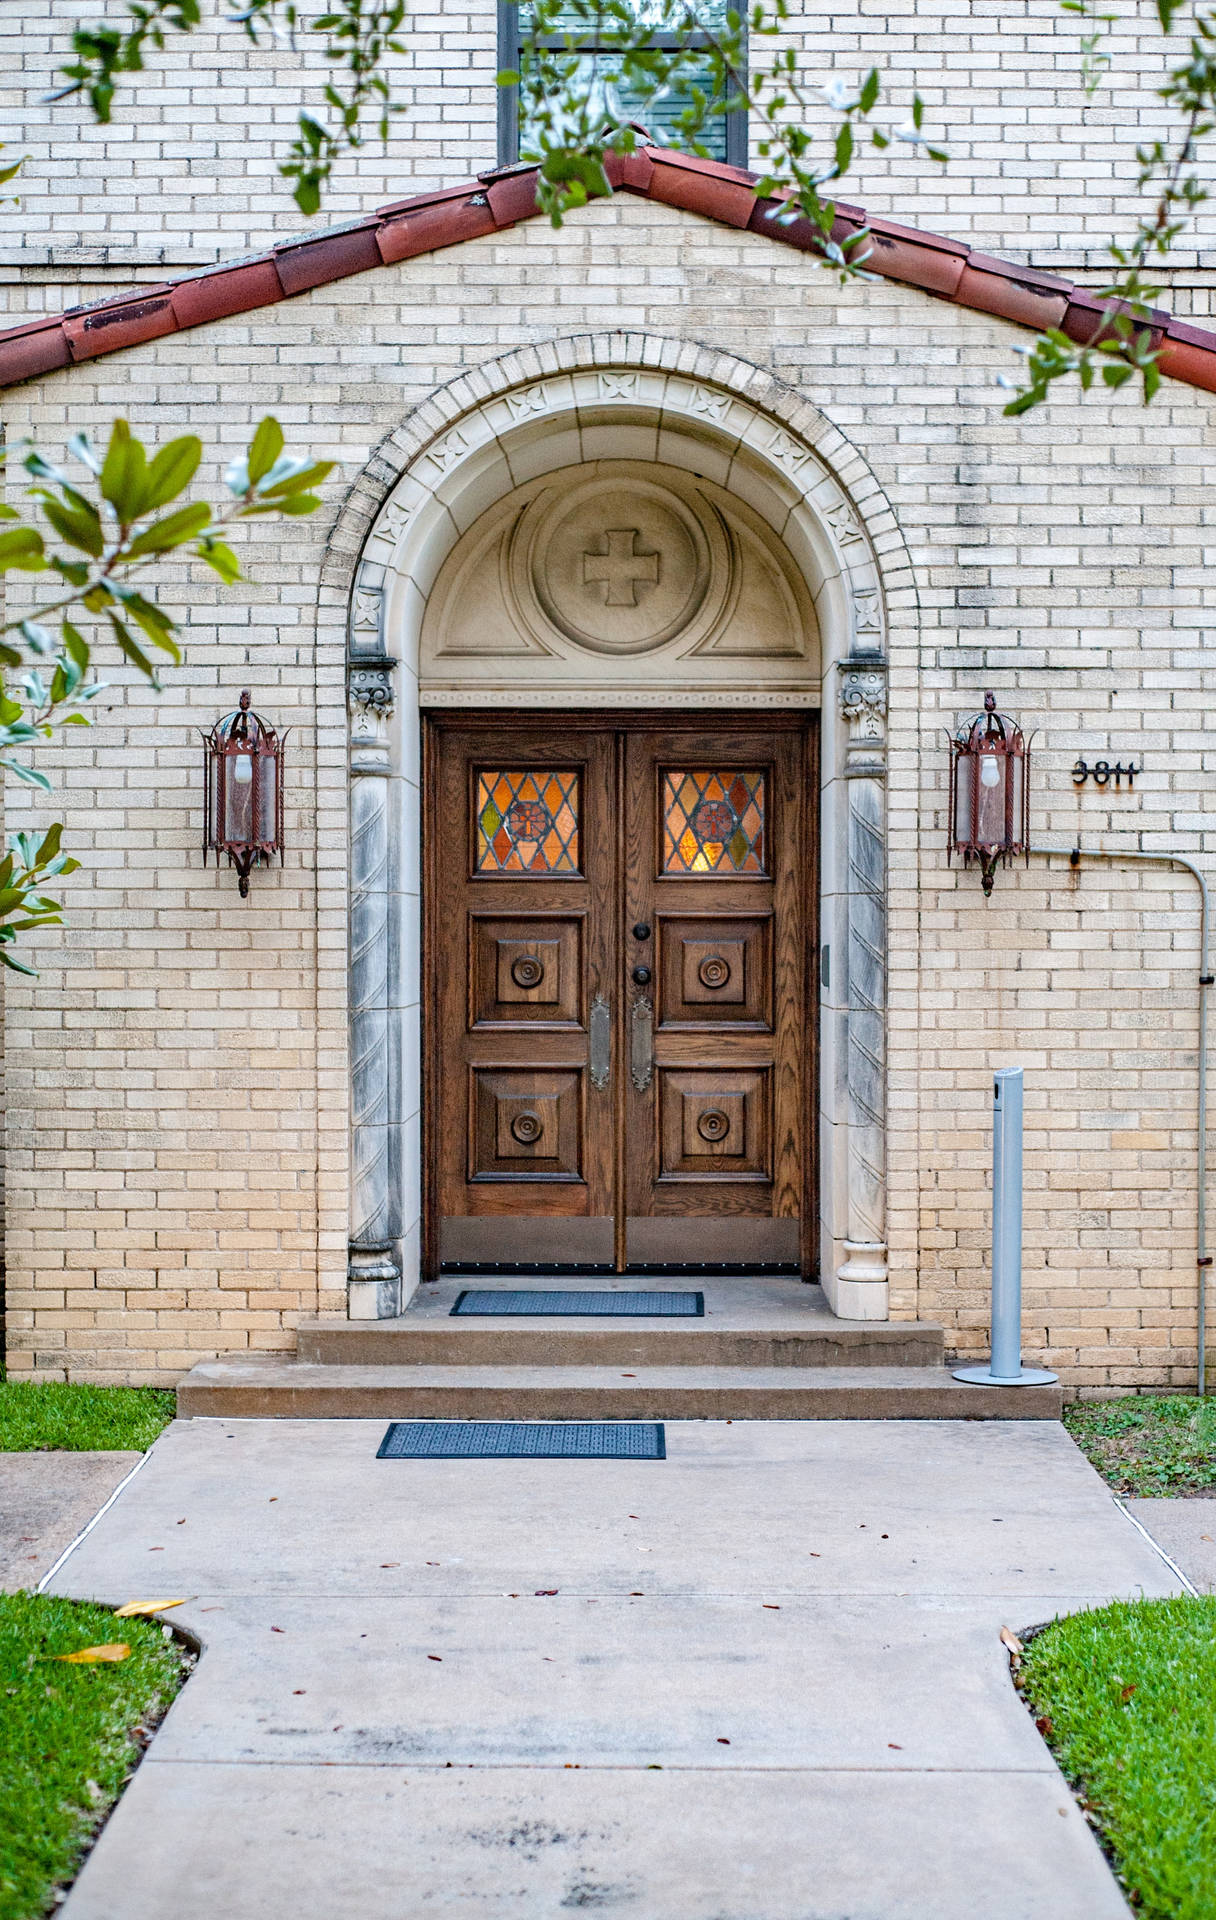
column 331, row 256
column 437, row 223
column 505, row 196
column 120, row 323
column 226, row 291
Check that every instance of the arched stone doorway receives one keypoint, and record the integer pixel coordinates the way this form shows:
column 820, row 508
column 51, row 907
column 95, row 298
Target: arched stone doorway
column 778, row 598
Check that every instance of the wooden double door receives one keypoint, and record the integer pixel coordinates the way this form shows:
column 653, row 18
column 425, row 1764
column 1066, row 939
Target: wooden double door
column 619, row 1052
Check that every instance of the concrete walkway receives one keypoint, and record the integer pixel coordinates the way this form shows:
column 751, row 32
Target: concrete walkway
column 760, row 1680
column 46, row 1499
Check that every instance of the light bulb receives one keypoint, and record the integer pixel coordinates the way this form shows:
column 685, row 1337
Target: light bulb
column 990, row 773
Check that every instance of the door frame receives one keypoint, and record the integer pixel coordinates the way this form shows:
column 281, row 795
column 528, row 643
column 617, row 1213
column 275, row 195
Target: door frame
column 803, row 720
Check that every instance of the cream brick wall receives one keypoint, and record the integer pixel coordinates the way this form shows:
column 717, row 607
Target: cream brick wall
column 1037, row 169
column 177, row 1075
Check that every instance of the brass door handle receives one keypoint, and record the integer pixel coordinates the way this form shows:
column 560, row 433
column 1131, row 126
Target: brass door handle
column 641, row 1043
column 601, row 1042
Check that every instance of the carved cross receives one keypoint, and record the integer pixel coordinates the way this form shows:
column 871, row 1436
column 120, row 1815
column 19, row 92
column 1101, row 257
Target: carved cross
column 621, row 569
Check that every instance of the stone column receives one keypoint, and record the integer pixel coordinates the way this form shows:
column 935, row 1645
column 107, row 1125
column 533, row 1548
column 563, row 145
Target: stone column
column 374, row 1269
column 861, row 1281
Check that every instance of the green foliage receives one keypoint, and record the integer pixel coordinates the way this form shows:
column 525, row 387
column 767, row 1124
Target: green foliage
column 95, row 533
column 577, row 108
column 359, row 36
column 1123, row 1695
column 1149, row 1445
column 71, row 1735
column 592, row 72
column 57, row 1415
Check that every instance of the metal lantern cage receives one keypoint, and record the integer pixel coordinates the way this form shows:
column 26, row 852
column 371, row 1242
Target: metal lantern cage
column 989, row 791
column 243, row 777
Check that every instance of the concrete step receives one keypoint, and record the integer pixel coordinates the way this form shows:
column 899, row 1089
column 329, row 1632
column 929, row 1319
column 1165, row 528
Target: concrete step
column 758, row 1321
column 408, row 1342
column 254, row 1386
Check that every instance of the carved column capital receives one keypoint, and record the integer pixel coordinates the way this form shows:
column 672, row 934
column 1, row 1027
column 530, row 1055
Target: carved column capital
column 863, row 705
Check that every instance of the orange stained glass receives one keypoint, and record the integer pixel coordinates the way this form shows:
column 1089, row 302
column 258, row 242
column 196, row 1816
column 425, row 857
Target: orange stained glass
column 713, row 822
column 527, row 821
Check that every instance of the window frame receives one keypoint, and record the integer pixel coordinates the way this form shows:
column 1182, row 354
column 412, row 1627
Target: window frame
column 508, row 97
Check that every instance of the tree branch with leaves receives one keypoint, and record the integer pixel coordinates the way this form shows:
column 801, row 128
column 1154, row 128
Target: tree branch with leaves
column 104, row 533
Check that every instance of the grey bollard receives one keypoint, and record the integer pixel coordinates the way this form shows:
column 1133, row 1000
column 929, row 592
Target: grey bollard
column 1005, row 1367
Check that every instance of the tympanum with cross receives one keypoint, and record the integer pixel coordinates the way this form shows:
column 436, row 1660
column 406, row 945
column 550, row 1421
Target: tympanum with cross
column 622, row 569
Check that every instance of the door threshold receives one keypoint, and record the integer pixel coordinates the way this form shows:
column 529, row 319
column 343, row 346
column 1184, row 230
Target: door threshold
column 688, row 1269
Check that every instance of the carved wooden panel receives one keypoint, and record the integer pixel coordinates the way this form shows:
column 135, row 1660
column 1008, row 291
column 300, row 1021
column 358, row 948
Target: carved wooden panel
column 524, row 1125
column 715, row 1123
column 715, row 970
column 527, row 969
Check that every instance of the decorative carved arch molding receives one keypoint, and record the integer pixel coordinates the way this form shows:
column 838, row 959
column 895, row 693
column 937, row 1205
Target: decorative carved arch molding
column 793, row 475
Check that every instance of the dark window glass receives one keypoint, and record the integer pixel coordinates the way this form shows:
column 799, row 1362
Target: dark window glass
column 724, row 137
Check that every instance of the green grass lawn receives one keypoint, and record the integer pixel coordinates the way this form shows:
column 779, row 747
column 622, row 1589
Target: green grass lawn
column 1124, row 1697
column 1149, row 1445
column 80, row 1419
column 70, row 1735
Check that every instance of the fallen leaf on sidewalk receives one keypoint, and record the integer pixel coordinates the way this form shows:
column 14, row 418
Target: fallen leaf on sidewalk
column 88, row 1656
column 136, row 1609
column 390, row 1563
column 723, row 1742
column 435, row 1656
column 546, row 1593
column 895, row 1746
column 770, row 1606
column 1010, row 1639
column 278, row 1629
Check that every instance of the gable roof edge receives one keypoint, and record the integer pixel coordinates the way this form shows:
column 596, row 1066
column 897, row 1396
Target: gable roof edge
column 497, row 200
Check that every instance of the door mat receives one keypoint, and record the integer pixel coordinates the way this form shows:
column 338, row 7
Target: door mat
column 523, row 1440
column 594, row 1303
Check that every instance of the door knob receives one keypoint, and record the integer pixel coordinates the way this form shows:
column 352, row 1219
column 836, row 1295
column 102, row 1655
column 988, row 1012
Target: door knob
column 642, row 976
column 642, row 930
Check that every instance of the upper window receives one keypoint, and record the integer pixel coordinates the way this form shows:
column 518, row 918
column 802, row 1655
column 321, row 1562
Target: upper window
column 724, row 136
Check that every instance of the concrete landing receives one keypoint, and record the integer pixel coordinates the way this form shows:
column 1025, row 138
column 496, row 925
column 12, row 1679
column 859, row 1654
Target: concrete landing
column 254, row 1386
column 759, row 1680
column 749, row 1321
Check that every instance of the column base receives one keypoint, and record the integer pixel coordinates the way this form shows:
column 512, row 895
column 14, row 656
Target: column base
column 373, row 1284
column 858, row 1288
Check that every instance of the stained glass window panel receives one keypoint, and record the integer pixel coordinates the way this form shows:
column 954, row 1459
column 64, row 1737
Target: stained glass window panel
column 713, row 822
column 527, row 821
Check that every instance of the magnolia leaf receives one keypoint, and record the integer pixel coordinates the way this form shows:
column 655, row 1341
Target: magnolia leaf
column 22, row 547
column 142, row 1609
column 89, row 1656
column 31, row 775
column 265, row 447
column 1010, row 1639
column 124, row 473
column 80, row 529
column 172, row 470
column 173, row 531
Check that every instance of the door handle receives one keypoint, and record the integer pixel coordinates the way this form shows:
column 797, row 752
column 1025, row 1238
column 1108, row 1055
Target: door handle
column 642, row 976
column 641, row 1043
column 601, row 1042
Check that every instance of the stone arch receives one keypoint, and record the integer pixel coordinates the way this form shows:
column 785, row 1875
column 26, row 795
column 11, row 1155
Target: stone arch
column 539, row 409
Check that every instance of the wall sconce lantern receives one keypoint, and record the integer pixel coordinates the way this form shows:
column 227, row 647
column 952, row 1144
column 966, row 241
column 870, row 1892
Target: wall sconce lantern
column 243, row 775
column 989, row 791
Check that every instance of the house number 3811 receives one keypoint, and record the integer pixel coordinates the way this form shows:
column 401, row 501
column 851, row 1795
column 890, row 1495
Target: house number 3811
column 1102, row 773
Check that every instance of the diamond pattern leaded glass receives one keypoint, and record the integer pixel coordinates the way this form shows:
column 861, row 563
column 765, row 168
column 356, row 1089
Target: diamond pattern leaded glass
column 527, row 822
column 713, row 822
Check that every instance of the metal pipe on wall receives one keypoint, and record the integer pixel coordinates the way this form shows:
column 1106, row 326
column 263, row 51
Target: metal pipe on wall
column 1074, row 855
